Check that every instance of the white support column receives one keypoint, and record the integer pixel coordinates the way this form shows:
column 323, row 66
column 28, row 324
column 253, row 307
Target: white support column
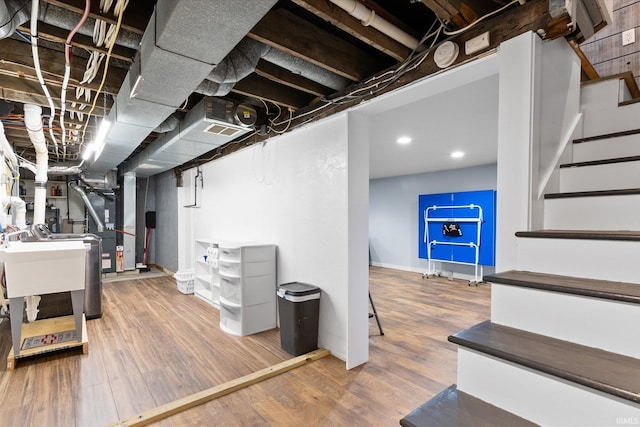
column 516, row 129
column 129, row 220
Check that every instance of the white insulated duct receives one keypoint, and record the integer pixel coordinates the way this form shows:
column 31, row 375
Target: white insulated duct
column 368, row 17
column 33, row 123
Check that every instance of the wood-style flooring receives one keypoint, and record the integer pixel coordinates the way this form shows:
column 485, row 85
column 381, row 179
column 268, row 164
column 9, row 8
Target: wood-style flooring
column 154, row 345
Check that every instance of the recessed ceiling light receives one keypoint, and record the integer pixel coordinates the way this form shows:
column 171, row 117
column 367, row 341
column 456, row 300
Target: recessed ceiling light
column 403, row 140
column 457, row 154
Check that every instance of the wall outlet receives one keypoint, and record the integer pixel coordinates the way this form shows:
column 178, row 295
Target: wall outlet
column 477, row 43
column 629, row 37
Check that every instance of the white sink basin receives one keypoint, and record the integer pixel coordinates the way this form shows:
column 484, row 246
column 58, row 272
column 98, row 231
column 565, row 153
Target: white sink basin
column 36, row 268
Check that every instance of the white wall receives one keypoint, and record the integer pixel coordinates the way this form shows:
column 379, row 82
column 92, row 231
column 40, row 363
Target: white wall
column 294, row 191
column 393, row 213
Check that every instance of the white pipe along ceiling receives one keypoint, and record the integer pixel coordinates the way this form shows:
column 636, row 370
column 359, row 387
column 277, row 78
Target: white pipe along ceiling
column 33, row 123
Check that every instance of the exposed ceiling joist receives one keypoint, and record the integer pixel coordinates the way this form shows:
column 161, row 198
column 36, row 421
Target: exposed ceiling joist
column 135, row 20
column 26, row 91
column 258, row 87
column 283, row 30
column 59, row 35
column 280, row 75
column 16, row 57
column 342, row 20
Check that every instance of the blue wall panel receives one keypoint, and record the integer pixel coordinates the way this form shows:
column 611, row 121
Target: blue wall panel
column 443, row 214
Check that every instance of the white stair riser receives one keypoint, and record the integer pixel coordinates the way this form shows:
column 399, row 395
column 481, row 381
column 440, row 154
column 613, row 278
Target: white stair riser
column 593, row 322
column 593, row 213
column 538, row 397
column 602, row 149
column 615, row 260
column 612, row 176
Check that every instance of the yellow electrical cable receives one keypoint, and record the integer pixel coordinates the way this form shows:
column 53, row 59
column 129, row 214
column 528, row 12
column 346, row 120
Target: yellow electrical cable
column 104, row 78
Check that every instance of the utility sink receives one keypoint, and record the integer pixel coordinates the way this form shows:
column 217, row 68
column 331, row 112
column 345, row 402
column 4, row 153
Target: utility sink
column 36, row 268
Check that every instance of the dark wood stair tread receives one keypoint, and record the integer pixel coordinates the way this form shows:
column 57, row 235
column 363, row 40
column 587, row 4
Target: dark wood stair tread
column 601, row 162
column 452, row 407
column 631, row 235
column 604, row 289
column 601, row 370
column 599, row 193
column 607, row 136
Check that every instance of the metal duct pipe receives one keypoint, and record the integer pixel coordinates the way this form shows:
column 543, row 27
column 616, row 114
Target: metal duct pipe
column 368, row 17
column 243, row 59
column 33, row 123
column 10, row 21
column 169, row 124
column 88, row 204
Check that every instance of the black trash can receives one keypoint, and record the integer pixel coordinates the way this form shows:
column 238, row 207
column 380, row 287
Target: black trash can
column 299, row 308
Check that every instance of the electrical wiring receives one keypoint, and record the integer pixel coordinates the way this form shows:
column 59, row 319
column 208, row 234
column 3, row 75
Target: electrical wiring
column 36, row 63
column 482, row 18
column 23, row 36
column 104, row 78
column 67, row 73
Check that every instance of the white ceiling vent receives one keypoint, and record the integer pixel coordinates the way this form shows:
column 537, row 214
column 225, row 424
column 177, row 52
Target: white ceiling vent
column 224, row 129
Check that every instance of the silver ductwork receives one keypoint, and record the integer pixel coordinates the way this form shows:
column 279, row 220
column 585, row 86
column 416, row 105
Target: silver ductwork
column 183, row 42
column 13, row 13
column 243, row 59
column 89, row 206
column 209, row 124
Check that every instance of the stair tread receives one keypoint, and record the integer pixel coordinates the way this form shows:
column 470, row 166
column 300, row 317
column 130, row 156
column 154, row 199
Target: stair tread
column 598, row 193
column 601, row 162
column 605, row 289
column 631, row 235
column 606, row 136
column 452, row 407
column 608, row 372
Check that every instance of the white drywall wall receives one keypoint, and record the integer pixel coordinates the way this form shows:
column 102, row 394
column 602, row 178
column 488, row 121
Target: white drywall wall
column 293, row 191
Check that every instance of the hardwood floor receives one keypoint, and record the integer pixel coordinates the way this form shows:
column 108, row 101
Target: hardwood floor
column 154, row 345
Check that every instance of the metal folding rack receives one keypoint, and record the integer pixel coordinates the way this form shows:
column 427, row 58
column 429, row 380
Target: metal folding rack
column 478, row 219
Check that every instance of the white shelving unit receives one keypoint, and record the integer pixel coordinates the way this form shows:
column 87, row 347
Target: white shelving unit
column 206, row 280
column 247, row 288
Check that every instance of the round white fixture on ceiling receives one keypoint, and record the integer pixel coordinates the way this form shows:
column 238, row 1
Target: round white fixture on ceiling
column 445, row 54
column 403, row 140
column 457, row 154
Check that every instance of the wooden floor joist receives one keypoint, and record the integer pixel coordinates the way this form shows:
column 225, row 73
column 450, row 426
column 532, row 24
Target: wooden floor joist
column 188, row 402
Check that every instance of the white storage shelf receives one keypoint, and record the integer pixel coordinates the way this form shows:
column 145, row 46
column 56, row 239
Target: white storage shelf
column 247, row 288
column 206, row 286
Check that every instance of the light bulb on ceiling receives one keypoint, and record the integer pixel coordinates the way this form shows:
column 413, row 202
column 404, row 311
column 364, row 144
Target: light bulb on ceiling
column 457, row 154
column 403, row 140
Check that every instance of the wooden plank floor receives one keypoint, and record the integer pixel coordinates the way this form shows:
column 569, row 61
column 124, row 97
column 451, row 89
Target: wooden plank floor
column 154, row 345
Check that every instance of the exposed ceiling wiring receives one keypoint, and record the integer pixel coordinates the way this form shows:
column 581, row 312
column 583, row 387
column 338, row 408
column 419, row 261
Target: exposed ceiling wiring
column 104, row 74
column 67, row 73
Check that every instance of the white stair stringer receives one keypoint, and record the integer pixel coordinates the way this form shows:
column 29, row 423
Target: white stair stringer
column 615, row 260
column 593, row 322
column 538, row 397
column 610, row 176
column 607, row 212
column 607, row 148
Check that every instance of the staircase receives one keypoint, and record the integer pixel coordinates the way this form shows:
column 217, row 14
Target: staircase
column 562, row 347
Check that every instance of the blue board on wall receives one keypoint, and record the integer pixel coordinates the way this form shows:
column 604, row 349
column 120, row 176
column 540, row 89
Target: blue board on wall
column 443, row 227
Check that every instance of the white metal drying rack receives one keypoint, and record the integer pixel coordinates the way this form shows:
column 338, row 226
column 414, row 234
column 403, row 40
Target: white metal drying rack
column 472, row 244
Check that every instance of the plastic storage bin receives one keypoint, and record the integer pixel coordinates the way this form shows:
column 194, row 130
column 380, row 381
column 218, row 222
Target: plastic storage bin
column 185, row 280
column 299, row 308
